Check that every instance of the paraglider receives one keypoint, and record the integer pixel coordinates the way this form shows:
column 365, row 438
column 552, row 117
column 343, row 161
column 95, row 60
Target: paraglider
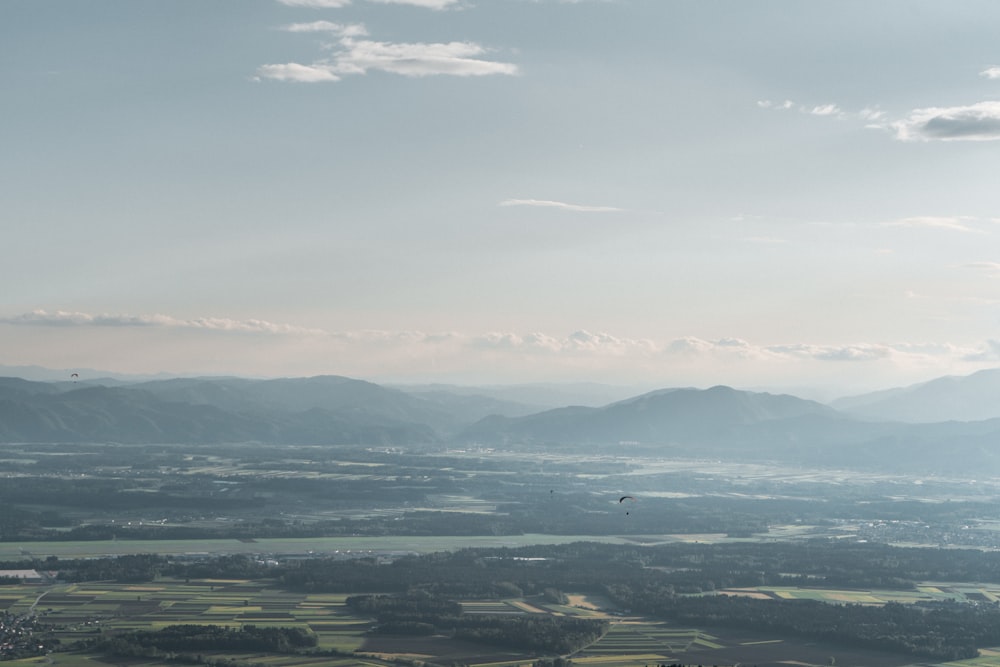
column 623, row 499
column 74, row 376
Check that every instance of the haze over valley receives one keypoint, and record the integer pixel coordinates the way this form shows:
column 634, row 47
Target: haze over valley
column 499, row 333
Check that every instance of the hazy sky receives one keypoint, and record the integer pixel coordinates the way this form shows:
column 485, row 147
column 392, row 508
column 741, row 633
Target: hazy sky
column 760, row 194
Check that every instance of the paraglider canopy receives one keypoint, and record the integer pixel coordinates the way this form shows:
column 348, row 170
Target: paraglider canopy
column 624, row 498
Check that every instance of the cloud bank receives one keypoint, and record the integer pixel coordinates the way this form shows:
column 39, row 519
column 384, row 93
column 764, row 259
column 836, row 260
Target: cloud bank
column 61, row 318
column 149, row 344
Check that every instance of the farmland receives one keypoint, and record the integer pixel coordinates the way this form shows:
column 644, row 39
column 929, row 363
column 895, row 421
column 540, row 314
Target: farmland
column 752, row 531
column 82, row 611
column 105, row 493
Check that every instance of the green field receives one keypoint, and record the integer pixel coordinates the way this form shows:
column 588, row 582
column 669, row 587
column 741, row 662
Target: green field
column 926, row 592
column 80, row 611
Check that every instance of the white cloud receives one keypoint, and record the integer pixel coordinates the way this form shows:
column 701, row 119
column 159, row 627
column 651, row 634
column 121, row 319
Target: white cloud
column 768, row 104
column 352, row 56
column 561, row 205
column 418, row 59
column 298, row 73
column 826, row 110
column 577, row 343
column 974, row 122
column 871, row 114
column 991, row 72
column 343, row 30
column 224, row 345
column 853, row 353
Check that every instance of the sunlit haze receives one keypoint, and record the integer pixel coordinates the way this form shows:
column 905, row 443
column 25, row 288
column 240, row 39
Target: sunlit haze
column 765, row 194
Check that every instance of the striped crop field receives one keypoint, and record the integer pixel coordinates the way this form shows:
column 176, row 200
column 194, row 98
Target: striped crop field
column 925, row 592
column 626, row 639
column 78, row 612
column 491, row 607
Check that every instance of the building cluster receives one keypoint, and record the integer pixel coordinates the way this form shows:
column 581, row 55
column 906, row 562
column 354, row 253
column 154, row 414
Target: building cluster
column 920, row 533
column 23, row 576
column 17, row 636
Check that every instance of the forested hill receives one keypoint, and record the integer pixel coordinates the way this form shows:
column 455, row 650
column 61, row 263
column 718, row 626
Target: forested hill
column 331, row 410
column 313, row 410
column 670, row 415
column 728, row 423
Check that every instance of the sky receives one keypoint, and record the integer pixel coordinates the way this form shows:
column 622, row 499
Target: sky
column 769, row 194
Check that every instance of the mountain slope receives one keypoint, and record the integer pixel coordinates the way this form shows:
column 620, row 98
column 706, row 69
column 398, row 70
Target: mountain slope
column 135, row 414
column 973, row 397
column 734, row 425
column 664, row 416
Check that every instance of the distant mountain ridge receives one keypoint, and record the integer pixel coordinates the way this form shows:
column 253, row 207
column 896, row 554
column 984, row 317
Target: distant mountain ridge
column 664, row 415
column 719, row 422
column 974, row 397
column 329, row 410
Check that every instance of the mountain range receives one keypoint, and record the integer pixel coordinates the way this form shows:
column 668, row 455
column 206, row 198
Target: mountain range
column 946, row 424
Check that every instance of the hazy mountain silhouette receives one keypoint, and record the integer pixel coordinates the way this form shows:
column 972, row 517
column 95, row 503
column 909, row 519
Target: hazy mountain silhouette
column 537, row 396
column 720, row 422
column 725, row 423
column 664, row 416
column 973, row 397
column 214, row 410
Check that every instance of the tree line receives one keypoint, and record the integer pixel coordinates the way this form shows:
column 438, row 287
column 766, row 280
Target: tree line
column 188, row 640
column 676, row 581
column 421, row 613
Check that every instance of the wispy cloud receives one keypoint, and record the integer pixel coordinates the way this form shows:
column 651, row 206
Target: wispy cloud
column 768, row 104
column 61, row 318
column 991, row 268
column 353, row 56
column 826, row 110
column 952, row 223
column 341, row 29
column 815, row 110
column 991, row 72
column 974, row 122
column 544, row 203
column 298, row 73
column 580, row 342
